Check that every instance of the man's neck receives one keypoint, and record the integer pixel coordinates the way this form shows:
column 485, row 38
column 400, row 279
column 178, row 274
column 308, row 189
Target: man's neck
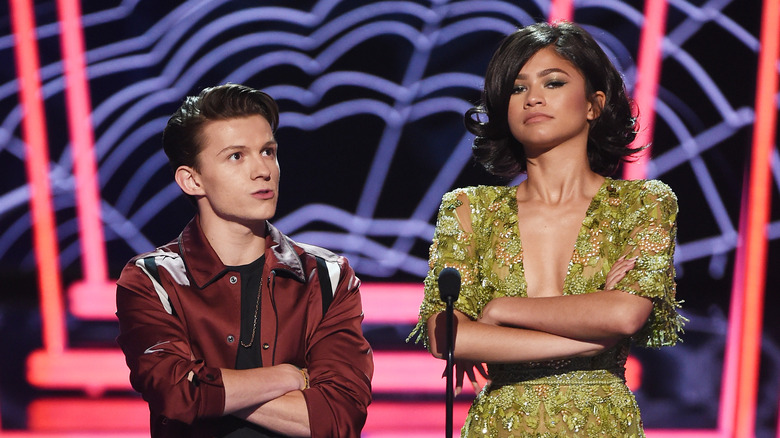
column 236, row 244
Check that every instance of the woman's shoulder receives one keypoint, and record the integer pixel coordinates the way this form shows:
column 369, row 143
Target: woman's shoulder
column 643, row 194
column 643, row 188
column 479, row 194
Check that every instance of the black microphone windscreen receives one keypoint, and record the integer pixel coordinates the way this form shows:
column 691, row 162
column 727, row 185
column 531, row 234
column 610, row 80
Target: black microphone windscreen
column 449, row 284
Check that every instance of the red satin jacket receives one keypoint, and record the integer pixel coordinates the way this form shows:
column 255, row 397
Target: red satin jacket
column 189, row 321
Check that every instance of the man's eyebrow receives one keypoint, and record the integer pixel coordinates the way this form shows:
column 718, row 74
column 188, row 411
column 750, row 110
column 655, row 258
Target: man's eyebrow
column 233, row 147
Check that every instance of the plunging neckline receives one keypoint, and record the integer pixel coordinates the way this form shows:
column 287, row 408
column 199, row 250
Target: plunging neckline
column 580, row 234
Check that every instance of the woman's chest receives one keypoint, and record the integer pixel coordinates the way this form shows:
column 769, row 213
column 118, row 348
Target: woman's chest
column 548, row 255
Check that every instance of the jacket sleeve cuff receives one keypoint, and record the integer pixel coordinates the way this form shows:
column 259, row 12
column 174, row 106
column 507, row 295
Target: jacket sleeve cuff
column 343, row 420
column 320, row 415
column 208, row 380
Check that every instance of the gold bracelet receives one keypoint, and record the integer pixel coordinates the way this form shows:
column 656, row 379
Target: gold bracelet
column 305, row 379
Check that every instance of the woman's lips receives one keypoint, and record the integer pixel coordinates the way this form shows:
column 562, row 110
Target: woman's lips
column 535, row 118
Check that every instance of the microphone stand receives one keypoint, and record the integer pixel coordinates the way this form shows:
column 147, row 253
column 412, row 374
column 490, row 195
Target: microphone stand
column 449, row 288
column 450, row 363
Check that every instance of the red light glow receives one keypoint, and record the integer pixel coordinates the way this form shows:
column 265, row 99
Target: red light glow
column 649, row 71
column 757, row 219
column 561, row 10
column 37, row 163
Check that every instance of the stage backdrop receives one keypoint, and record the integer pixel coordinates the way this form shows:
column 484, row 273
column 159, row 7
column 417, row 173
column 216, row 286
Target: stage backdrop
column 372, row 96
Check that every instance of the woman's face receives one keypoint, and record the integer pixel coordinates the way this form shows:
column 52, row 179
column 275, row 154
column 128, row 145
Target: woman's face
column 549, row 105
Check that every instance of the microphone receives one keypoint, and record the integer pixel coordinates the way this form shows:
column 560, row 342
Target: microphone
column 449, row 289
column 449, row 284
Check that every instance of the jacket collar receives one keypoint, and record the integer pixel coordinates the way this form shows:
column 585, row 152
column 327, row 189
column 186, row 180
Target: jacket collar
column 281, row 253
column 204, row 266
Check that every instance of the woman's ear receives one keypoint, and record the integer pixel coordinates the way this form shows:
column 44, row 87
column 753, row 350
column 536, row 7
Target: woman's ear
column 596, row 104
column 188, row 180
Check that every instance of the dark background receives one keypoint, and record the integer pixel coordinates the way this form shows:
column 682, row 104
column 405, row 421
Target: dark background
column 372, row 98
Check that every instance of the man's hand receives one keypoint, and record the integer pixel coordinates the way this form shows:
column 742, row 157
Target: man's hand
column 299, row 375
column 253, row 387
column 305, row 373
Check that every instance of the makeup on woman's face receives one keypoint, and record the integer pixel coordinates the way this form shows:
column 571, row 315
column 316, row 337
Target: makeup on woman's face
column 549, row 105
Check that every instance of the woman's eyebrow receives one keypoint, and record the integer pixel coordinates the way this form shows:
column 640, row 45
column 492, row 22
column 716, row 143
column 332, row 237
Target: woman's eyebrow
column 544, row 72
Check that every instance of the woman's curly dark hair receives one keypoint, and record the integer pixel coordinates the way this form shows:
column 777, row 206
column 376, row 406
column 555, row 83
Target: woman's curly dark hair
column 610, row 133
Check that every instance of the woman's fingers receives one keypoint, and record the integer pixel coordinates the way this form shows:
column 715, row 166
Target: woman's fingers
column 473, row 378
column 618, row 271
column 464, row 367
column 483, row 372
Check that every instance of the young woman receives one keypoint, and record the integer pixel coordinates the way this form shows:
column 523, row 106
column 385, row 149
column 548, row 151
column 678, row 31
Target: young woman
column 562, row 272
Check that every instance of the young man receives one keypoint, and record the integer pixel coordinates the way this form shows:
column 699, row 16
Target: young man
column 233, row 329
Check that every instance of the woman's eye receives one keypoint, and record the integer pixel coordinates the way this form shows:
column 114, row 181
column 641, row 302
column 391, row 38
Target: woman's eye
column 270, row 152
column 518, row 89
column 235, row 156
column 555, row 84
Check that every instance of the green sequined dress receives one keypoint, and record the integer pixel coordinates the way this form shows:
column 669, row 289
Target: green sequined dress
column 577, row 397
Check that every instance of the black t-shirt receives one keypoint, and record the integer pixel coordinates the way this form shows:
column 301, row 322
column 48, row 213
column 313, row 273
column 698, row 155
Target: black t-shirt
column 248, row 357
column 251, row 295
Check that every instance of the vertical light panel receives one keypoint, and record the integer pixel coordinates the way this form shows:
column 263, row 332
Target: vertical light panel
column 37, row 166
column 93, row 254
column 730, row 379
column 561, row 10
column 648, row 76
column 757, row 219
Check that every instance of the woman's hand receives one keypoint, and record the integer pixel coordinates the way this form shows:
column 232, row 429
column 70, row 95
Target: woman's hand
column 467, row 367
column 619, row 271
column 488, row 312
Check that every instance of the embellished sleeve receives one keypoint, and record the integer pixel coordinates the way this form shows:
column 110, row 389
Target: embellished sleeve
column 651, row 227
column 454, row 245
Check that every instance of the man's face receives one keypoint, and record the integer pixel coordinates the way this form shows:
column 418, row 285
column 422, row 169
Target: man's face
column 238, row 173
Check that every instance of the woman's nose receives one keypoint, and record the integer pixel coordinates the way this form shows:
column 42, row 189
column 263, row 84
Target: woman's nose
column 532, row 99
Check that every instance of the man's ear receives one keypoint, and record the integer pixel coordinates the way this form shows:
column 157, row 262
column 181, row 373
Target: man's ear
column 596, row 101
column 188, row 180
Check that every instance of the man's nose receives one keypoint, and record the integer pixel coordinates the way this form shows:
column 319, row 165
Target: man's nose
column 260, row 168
